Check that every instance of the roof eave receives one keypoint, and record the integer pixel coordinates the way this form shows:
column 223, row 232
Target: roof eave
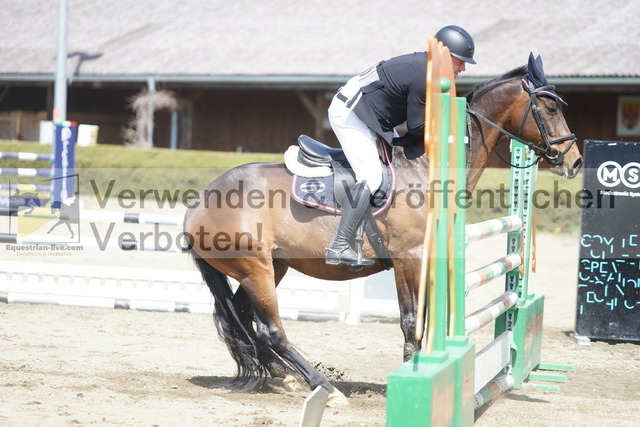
column 217, row 80
column 285, row 80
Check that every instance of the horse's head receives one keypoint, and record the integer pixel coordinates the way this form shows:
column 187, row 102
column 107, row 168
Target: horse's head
column 530, row 111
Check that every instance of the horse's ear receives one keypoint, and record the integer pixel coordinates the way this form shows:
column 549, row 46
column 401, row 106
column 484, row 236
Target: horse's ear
column 536, row 72
column 539, row 64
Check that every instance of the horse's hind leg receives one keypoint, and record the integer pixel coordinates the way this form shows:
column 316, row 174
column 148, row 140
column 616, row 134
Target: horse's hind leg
column 276, row 367
column 261, row 291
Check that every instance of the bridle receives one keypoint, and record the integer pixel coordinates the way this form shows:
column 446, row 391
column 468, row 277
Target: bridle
column 548, row 151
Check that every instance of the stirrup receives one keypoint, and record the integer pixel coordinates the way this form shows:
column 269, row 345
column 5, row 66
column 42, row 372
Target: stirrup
column 347, row 257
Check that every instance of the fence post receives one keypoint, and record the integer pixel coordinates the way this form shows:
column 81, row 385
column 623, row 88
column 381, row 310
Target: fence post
column 525, row 319
column 460, row 349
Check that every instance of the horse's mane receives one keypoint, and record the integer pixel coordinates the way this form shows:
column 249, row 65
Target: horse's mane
column 413, row 151
column 489, row 84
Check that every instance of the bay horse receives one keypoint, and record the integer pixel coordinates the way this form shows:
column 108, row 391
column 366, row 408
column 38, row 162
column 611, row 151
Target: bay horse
column 256, row 240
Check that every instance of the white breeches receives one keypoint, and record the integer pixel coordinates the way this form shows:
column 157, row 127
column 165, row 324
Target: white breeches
column 357, row 140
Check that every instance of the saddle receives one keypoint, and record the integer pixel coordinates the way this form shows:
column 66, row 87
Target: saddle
column 323, row 180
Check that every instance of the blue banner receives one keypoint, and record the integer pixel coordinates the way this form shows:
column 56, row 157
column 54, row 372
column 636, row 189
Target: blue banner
column 63, row 164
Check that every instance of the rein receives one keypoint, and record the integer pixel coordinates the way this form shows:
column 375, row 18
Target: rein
column 552, row 154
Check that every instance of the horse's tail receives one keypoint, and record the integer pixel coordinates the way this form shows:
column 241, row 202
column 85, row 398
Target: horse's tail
column 238, row 335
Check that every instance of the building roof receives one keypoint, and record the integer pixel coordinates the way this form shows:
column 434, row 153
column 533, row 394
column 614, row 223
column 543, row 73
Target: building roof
column 311, row 40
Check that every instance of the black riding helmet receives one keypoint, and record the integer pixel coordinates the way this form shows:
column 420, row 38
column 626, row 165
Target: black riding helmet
column 459, row 42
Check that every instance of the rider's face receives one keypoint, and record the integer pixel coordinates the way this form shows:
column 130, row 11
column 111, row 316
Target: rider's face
column 458, row 66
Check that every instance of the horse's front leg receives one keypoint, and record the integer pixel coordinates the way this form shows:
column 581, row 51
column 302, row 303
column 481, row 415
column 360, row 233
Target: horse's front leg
column 407, row 275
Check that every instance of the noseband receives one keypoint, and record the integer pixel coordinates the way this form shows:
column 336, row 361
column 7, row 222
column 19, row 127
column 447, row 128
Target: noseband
column 548, row 151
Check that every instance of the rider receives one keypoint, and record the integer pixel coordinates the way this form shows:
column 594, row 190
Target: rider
column 371, row 105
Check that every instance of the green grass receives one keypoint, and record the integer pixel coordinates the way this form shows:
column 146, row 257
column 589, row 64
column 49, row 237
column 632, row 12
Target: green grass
column 118, row 156
column 126, row 168
column 557, row 208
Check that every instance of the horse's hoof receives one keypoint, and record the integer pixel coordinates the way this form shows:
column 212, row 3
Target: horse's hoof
column 276, row 370
column 292, row 383
column 336, row 398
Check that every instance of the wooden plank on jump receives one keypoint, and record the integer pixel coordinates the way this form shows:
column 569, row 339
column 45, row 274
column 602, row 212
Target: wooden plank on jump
column 26, row 172
column 437, row 291
column 431, row 135
column 107, row 216
column 493, row 389
column 492, row 227
column 491, row 360
column 490, row 312
column 25, row 156
column 483, row 275
column 440, row 132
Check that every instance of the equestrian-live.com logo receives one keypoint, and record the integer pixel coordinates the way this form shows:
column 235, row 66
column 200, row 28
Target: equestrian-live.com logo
column 611, row 174
column 35, row 217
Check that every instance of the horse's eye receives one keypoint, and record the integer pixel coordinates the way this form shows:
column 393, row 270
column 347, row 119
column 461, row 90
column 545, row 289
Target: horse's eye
column 552, row 110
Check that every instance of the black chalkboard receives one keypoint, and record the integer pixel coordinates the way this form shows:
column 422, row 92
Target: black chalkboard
column 609, row 271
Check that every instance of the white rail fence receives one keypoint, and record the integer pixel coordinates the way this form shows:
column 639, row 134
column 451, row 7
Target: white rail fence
column 301, row 297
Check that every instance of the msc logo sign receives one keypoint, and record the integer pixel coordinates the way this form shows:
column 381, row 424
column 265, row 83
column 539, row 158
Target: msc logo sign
column 611, row 174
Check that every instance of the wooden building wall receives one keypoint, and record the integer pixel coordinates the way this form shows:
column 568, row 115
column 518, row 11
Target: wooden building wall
column 247, row 119
column 255, row 120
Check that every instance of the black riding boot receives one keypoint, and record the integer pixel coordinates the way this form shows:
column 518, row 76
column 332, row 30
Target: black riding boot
column 340, row 251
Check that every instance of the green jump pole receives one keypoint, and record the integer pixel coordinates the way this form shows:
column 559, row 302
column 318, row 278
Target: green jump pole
column 442, row 228
column 422, row 392
column 460, row 219
column 460, row 349
column 525, row 319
